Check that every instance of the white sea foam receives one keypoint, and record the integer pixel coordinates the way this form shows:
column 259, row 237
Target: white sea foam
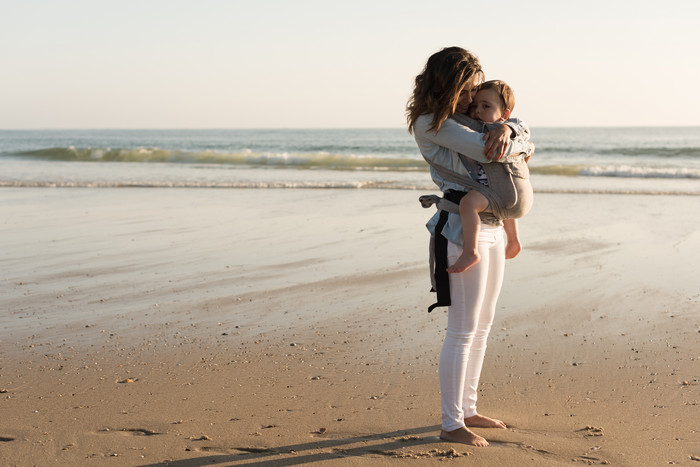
column 584, row 160
column 641, row 172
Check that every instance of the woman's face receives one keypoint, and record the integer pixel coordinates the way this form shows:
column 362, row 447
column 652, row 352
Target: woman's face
column 466, row 95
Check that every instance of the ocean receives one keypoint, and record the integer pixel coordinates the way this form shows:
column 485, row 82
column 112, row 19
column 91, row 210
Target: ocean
column 586, row 160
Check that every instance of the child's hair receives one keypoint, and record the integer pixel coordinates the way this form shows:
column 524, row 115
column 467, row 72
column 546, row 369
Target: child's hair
column 437, row 88
column 503, row 90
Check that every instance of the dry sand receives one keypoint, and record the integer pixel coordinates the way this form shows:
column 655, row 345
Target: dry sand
column 284, row 327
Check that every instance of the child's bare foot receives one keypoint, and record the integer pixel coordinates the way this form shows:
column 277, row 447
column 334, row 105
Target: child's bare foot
column 481, row 421
column 512, row 249
column 464, row 262
column 464, row 436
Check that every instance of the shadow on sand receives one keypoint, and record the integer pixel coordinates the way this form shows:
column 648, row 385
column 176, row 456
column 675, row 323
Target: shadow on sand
column 383, row 444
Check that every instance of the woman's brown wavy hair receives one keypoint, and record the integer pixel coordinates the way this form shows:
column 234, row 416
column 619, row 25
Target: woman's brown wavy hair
column 437, row 88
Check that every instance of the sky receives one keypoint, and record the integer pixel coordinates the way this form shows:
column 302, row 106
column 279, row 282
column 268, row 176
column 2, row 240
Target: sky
column 338, row 64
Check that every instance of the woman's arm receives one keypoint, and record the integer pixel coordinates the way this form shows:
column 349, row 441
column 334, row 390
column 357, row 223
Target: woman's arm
column 520, row 129
column 496, row 135
column 499, row 140
column 459, row 138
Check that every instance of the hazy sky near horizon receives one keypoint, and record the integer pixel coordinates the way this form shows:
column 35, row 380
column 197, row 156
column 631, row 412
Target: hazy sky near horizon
column 338, row 64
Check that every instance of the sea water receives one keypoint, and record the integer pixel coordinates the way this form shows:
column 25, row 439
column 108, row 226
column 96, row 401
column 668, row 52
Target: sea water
column 585, row 160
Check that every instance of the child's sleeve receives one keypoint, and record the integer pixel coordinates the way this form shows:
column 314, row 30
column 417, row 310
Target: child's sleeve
column 520, row 128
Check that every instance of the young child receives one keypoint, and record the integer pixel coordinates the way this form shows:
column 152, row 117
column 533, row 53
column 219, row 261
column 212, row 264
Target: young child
column 493, row 102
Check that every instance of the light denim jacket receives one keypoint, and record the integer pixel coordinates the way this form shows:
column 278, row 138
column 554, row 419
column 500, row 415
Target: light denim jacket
column 443, row 148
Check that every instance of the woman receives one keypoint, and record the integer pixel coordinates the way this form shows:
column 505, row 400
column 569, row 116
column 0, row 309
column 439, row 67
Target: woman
column 443, row 88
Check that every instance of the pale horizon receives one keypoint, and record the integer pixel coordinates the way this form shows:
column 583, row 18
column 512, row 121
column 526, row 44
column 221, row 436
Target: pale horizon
column 161, row 65
column 572, row 127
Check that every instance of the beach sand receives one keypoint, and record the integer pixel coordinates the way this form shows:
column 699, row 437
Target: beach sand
column 191, row 327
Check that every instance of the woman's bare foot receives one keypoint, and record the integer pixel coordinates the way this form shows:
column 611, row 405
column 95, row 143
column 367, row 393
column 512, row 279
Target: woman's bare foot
column 464, row 262
column 464, row 436
column 480, row 421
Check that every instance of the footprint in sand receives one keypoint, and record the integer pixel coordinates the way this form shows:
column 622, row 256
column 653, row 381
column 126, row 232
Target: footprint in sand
column 433, row 453
column 212, row 449
column 591, row 431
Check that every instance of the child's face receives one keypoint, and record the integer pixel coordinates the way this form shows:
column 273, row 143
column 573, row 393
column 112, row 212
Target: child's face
column 486, row 106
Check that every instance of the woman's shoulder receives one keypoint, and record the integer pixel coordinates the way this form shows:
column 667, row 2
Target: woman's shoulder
column 423, row 123
column 426, row 120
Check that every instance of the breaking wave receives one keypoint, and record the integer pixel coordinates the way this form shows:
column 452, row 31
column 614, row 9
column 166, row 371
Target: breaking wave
column 325, row 160
column 244, row 157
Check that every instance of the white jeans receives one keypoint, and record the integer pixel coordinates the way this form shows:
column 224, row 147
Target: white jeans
column 473, row 293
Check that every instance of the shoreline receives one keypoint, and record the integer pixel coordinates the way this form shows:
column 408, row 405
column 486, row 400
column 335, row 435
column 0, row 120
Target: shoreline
column 150, row 327
column 548, row 184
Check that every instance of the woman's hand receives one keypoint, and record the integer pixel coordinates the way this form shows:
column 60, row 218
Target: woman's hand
column 496, row 142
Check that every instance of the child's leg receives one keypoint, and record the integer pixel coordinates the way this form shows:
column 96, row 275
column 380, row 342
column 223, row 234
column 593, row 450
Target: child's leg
column 513, row 246
column 469, row 208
